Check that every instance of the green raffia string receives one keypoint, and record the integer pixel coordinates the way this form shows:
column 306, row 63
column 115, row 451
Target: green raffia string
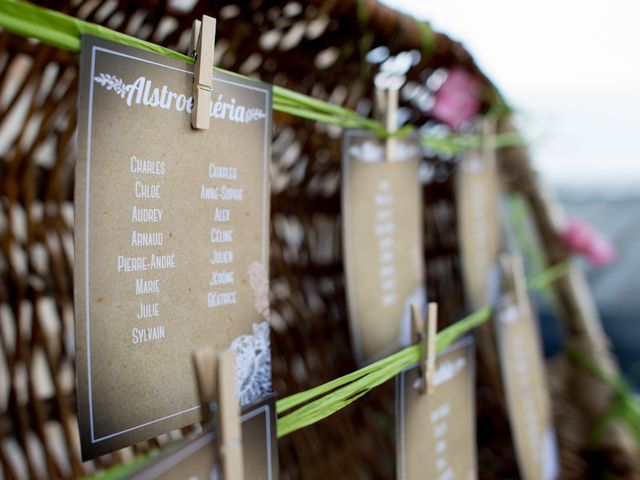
column 63, row 31
column 342, row 391
column 128, row 468
column 529, row 244
column 459, row 142
column 427, row 39
column 366, row 38
column 524, row 236
column 337, row 394
column 545, row 278
column 625, row 405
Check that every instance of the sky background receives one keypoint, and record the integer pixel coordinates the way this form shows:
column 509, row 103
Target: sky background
column 572, row 70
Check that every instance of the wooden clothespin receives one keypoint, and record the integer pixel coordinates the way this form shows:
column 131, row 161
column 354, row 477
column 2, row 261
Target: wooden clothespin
column 386, row 111
column 202, row 47
column 216, row 376
column 425, row 335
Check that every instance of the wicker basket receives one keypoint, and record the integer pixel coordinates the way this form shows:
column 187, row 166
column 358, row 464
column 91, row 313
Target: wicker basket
column 317, row 49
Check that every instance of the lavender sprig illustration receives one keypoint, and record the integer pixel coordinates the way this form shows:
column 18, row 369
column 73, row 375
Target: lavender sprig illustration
column 111, row 82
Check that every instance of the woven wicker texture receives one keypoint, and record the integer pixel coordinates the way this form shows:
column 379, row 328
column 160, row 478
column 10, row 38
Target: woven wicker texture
column 318, row 49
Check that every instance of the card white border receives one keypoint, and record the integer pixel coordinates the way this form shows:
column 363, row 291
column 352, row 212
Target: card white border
column 265, row 203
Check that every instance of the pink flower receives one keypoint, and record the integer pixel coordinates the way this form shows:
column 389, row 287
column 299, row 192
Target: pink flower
column 582, row 238
column 601, row 252
column 457, row 99
column 577, row 236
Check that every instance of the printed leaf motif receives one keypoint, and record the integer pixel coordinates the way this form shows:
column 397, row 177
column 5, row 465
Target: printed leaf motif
column 111, row 82
column 253, row 114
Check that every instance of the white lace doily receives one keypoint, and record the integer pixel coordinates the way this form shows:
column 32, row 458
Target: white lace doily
column 253, row 364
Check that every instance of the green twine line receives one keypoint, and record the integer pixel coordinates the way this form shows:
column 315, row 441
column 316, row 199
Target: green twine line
column 460, row 142
column 520, row 215
column 126, row 469
column 64, row 31
column 545, row 278
column 354, row 385
column 624, row 406
column 366, row 40
column 427, row 39
column 338, row 393
column 344, row 390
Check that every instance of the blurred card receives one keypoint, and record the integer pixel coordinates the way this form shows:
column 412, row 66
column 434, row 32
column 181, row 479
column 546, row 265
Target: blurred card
column 479, row 230
column 524, row 379
column 382, row 241
column 436, row 433
column 195, row 459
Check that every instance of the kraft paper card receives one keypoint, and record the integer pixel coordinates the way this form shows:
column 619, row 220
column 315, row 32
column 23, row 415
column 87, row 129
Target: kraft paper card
column 523, row 373
column 382, row 241
column 195, row 459
column 520, row 233
column 436, row 433
column 171, row 232
column 479, row 229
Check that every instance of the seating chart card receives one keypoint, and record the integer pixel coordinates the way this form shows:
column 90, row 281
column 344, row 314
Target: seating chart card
column 195, row 459
column 382, row 241
column 524, row 379
column 479, row 230
column 436, row 433
column 172, row 230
